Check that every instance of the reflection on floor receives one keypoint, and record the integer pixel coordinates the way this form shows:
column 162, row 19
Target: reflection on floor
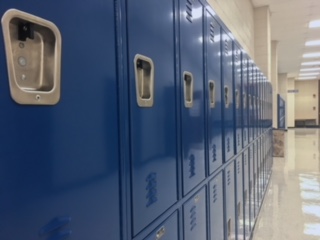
column 291, row 209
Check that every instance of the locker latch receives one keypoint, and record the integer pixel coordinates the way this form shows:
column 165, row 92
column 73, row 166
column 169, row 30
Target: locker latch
column 33, row 52
column 144, row 75
column 188, row 89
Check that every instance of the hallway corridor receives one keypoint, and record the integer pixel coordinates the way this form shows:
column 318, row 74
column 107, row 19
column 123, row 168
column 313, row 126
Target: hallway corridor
column 291, row 209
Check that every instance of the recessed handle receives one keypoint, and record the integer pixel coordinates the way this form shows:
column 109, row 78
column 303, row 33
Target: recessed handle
column 244, row 100
column 237, row 99
column 33, row 52
column 229, row 230
column 250, row 101
column 226, row 96
column 160, row 233
column 212, row 94
column 188, row 89
column 144, row 73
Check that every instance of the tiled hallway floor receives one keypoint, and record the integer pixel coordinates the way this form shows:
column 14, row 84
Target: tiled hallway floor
column 291, row 209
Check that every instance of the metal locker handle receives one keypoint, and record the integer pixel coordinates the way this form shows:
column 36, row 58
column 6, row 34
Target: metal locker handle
column 250, row 101
column 244, row 100
column 33, row 52
column 188, row 89
column 212, row 94
column 237, row 99
column 144, row 76
column 239, row 210
column 226, row 96
column 229, row 229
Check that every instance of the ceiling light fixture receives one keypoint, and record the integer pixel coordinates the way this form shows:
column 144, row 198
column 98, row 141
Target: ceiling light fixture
column 314, row 24
column 310, row 63
column 309, row 74
column 311, row 55
column 309, row 69
column 313, row 43
column 306, row 78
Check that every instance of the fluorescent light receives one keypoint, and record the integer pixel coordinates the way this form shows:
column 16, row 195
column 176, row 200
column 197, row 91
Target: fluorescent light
column 309, row 74
column 311, row 55
column 310, row 63
column 314, row 24
column 309, row 69
column 306, row 78
column 313, row 43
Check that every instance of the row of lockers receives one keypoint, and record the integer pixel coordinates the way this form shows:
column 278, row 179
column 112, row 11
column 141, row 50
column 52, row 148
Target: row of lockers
column 226, row 206
column 156, row 98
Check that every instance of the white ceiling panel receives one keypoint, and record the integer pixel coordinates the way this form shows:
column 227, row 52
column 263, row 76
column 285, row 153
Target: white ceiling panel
column 289, row 26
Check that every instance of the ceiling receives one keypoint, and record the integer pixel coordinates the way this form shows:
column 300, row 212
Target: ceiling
column 290, row 27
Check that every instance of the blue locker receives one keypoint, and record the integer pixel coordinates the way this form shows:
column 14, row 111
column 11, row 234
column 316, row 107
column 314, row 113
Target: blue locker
column 227, row 91
column 60, row 161
column 255, row 180
column 194, row 217
column 230, row 210
column 168, row 230
column 250, row 101
column 239, row 198
column 251, row 187
column 254, row 101
column 246, row 196
column 259, row 171
column 192, row 93
column 153, row 126
column 213, row 93
column 216, row 208
column 237, row 106
column 244, row 90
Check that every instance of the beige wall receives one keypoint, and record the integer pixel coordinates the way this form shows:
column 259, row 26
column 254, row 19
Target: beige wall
column 238, row 17
column 305, row 101
column 291, row 103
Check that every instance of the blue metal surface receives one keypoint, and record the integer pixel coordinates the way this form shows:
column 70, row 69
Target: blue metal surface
column 227, row 93
column 237, row 106
column 255, row 180
column 213, row 73
column 246, row 192
column 255, row 102
column 230, row 210
column 250, row 101
column 153, row 129
column 281, row 112
column 245, row 108
column 239, row 198
column 168, row 230
column 216, row 207
column 194, row 217
column 60, row 164
column 251, row 186
column 192, row 119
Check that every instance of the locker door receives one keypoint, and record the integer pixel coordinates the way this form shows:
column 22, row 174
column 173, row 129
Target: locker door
column 239, row 198
column 254, row 101
column 153, row 127
column 229, row 183
column 213, row 92
column 194, row 217
column 244, row 90
column 237, row 98
column 250, row 101
column 192, row 93
column 251, row 187
column 168, row 230
column 227, row 92
column 255, row 180
column 60, row 163
column 246, row 191
column 216, row 208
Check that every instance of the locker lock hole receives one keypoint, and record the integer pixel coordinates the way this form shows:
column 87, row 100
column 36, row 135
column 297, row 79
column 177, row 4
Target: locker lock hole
column 25, row 30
